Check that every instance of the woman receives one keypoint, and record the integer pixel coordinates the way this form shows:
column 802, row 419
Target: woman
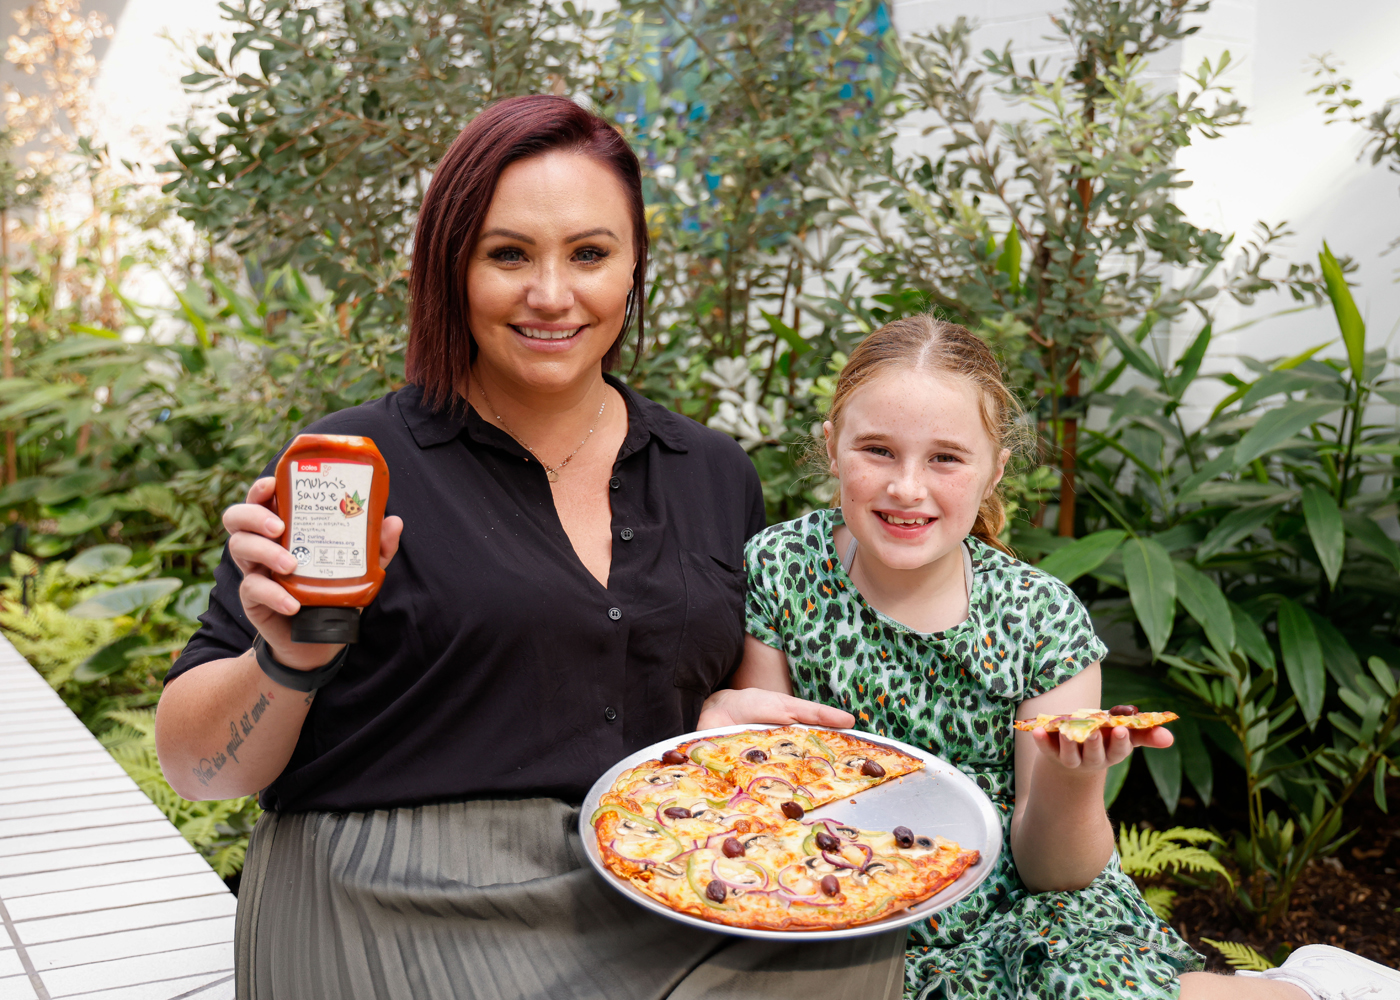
column 563, row 587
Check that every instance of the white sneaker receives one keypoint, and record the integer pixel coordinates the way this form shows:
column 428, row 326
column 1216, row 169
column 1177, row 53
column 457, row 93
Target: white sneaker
column 1328, row 973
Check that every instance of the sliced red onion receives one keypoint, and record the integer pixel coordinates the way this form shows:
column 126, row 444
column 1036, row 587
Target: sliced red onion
column 746, row 887
column 841, row 862
column 769, row 777
column 822, row 760
column 716, row 839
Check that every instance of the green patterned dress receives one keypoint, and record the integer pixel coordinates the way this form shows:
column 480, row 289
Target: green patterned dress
column 955, row 694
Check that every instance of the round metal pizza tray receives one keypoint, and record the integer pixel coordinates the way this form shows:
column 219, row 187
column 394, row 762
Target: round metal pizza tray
column 939, row 800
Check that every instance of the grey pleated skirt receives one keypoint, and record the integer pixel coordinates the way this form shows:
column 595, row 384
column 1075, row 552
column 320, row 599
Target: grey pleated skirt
column 494, row 900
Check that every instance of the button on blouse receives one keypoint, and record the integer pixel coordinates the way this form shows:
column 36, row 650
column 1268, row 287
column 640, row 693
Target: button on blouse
column 493, row 663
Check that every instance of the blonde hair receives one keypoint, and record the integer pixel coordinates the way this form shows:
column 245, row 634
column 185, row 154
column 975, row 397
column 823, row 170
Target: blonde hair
column 924, row 343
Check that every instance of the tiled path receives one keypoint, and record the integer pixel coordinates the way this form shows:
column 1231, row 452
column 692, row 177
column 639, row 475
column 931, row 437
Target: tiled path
column 100, row 897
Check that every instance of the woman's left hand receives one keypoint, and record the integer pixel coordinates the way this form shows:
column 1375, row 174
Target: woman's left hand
column 1101, row 750
column 731, row 707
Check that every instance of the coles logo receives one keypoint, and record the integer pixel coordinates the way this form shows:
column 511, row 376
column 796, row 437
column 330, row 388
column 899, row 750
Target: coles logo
column 308, row 466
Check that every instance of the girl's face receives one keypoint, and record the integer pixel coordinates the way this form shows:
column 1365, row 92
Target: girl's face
column 914, row 462
column 547, row 281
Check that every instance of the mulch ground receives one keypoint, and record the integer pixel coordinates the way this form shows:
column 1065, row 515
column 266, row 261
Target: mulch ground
column 1351, row 900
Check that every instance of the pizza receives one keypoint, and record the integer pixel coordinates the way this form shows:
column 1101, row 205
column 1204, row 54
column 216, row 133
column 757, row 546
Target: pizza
column 717, row 828
column 1081, row 724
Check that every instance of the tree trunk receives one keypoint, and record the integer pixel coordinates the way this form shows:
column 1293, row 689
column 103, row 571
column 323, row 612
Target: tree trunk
column 1069, row 451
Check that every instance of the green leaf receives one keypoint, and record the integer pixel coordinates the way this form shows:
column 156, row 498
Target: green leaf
column 1363, row 529
column 97, row 559
column 126, row 598
column 1152, row 588
column 1083, row 555
column 1279, row 425
column 1134, row 354
column 1378, row 786
column 1009, row 260
column 1385, row 677
column 1165, row 768
column 788, row 334
column 193, row 601
column 1221, row 463
column 1234, row 527
column 1302, row 659
column 1190, row 364
column 1241, row 956
column 1113, row 780
column 109, row 659
column 1324, row 520
column 1251, row 638
column 1204, row 602
column 1341, row 660
column 1195, row 759
column 1349, row 319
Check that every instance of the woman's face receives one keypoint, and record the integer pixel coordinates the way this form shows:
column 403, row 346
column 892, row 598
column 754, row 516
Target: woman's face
column 915, row 462
column 548, row 279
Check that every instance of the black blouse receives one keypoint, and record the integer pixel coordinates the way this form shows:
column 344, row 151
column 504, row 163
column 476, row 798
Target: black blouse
column 492, row 663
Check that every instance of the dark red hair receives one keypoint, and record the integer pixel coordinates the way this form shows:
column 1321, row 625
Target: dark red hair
column 439, row 341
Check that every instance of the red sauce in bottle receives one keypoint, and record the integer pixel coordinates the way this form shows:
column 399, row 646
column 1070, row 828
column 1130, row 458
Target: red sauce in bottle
column 331, row 491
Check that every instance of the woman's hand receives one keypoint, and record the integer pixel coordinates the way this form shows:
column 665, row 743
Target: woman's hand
column 1102, row 749
column 254, row 529
column 731, row 707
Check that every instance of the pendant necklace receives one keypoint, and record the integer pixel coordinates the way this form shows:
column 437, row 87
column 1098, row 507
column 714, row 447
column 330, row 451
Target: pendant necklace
column 551, row 472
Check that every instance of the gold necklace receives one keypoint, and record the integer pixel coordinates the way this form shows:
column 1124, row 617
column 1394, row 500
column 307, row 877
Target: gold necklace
column 551, row 472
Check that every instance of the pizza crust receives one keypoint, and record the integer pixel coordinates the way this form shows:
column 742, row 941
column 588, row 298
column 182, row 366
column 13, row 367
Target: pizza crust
column 1081, row 724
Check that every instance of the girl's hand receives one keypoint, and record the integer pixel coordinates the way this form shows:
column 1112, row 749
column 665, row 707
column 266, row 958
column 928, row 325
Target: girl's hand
column 730, row 707
column 254, row 532
column 1101, row 750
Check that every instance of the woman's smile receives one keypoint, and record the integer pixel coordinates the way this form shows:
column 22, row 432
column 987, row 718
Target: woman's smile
column 550, row 337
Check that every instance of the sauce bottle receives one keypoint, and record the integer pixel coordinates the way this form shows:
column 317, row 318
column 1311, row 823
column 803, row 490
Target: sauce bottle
column 331, row 490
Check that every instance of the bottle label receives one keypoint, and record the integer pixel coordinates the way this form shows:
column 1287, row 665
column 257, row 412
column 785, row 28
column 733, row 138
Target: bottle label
column 329, row 523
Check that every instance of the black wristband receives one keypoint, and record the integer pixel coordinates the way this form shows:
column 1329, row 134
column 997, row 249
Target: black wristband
column 298, row 680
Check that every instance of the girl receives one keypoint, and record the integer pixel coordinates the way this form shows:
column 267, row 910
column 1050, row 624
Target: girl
column 902, row 606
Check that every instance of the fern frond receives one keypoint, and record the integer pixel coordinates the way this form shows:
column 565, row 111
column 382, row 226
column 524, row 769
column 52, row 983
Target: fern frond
column 142, row 720
column 1240, row 956
column 1144, row 852
column 1161, row 899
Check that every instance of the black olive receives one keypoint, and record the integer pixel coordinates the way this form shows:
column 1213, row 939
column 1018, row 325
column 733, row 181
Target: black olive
column 872, row 770
column 715, row 891
column 924, row 842
column 792, row 810
column 826, row 841
column 1123, row 710
column 903, row 836
column 677, row 812
column 755, row 756
column 831, row 885
column 732, row 848
column 673, row 757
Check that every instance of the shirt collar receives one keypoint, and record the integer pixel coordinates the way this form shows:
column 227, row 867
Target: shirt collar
column 646, row 419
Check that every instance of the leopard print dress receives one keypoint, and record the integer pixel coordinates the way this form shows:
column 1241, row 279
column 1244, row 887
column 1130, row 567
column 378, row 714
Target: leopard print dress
column 955, row 694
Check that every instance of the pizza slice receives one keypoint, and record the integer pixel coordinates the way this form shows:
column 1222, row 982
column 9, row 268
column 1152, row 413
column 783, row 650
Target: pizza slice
column 1081, row 724
column 801, row 876
column 795, row 769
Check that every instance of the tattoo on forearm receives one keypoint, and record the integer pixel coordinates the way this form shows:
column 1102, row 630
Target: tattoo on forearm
column 238, row 730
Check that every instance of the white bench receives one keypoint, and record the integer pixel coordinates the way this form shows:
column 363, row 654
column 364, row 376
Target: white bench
column 100, row 896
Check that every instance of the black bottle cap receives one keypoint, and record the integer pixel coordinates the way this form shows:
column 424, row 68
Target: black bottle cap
column 315, row 624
